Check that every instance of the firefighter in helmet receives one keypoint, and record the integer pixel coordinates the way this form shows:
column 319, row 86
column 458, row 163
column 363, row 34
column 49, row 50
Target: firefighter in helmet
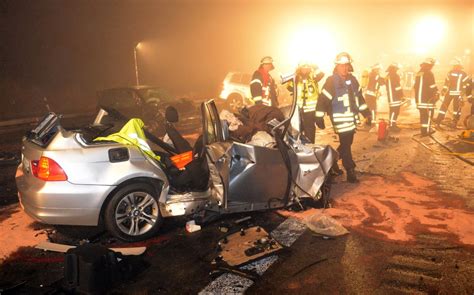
column 373, row 85
column 426, row 95
column 262, row 85
column 341, row 98
column 307, row 78
column 454, row 87
column 394, row 94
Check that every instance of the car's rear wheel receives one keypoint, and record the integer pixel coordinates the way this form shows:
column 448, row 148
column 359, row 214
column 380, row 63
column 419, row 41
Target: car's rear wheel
column 235, row 102
column 133, row 213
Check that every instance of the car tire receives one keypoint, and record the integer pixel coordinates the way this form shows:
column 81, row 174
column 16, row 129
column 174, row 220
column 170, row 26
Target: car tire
column 235, row 102
column 133, row 213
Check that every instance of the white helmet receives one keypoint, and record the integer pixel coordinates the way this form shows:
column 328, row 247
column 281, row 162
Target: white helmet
column 456, row 62
column 376, row 66
column 266, row 60
column 430, row 61
column 343, row 58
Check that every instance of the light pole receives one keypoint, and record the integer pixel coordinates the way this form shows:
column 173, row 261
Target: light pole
column 136, row 63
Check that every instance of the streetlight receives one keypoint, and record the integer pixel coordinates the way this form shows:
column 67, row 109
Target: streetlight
column 136, row 64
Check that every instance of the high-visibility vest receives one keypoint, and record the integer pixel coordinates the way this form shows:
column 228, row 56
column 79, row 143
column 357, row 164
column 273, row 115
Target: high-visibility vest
column 307, row 91
column 132, row 134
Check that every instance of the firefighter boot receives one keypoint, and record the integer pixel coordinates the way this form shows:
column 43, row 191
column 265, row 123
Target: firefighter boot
column 336, row 171
column 351, row 176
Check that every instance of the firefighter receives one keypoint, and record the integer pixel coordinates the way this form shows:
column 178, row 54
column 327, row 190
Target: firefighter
column 394, row 95
column 373, row 85
column 341, row 98
column 262, row 86
column 454, row 86
column 307, row 78
column 426, row 95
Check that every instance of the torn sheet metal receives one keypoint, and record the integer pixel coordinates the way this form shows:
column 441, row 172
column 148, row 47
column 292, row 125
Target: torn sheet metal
column 286, row 234
column 241, row 247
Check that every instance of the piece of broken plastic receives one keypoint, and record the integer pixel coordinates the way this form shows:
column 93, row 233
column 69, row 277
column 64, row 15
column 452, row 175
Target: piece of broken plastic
column 191, row 226
column 325, row 225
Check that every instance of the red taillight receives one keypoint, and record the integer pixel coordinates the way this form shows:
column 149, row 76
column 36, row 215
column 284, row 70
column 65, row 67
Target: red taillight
column 48, row 170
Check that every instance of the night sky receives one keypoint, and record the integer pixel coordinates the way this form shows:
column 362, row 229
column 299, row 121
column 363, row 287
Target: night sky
column 67, row 50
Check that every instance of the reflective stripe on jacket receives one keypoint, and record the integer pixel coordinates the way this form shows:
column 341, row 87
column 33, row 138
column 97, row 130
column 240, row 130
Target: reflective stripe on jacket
column 307, row 91
column 342, row 100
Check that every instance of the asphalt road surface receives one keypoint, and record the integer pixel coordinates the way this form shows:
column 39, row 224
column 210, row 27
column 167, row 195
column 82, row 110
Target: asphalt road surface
column 410, row 222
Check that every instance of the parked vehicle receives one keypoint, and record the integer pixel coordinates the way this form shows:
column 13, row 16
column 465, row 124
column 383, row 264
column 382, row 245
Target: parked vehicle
column 66, row 178
column 236, row 90
column 147, row 103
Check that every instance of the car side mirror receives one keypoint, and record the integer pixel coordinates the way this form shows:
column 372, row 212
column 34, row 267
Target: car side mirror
column 171, row 114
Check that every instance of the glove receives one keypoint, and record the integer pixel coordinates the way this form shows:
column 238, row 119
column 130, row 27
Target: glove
column 320, row 123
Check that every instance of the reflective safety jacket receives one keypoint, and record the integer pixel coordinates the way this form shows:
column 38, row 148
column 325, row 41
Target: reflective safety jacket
column 455, row 83
column 394, row 89
column 426, row 90
column 342, row 100
column 373, row 84
column 132, row 134
column 263, row 88
column 307, row 91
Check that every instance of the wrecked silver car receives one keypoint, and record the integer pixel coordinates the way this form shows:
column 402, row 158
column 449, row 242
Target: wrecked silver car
column 65, row 177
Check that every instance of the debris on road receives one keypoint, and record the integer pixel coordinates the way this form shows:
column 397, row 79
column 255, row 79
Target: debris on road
column 241, row 247
column 238, row 221
column 191, row 226
column 325, row 225
column 94, row 268
column 48, row 246
column 9, row 159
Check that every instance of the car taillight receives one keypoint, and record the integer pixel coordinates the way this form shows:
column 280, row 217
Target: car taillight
column 48, row 170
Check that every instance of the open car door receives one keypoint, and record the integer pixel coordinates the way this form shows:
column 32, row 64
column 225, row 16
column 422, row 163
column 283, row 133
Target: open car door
column 245, row 177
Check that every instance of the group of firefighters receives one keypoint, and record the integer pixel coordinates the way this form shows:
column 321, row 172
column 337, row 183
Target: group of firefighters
column 342, row 98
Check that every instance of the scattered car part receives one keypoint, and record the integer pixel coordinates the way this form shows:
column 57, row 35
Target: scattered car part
column 240, row 249
column 191, row 226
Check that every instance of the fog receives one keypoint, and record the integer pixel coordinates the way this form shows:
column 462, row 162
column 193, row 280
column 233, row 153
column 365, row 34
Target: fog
column 66, row 50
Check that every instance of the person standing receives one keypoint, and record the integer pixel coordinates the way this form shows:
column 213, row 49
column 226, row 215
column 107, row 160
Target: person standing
column 454, row 86
column 394, row 95
column 262, row 85
column 426, row 95
column 307, row 78
column 373, row 86
column 341, row 98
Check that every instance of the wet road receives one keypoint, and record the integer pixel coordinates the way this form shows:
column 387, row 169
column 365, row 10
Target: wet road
column 410, row 221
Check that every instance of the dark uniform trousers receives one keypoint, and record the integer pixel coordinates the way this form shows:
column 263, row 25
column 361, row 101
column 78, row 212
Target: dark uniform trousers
column 344, row 149
column 426, row 117
column 309, row 128
column 394, row 112
column 372, row 104
column 445, row 105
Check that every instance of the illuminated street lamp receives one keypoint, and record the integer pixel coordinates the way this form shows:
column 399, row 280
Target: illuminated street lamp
column 135, row 49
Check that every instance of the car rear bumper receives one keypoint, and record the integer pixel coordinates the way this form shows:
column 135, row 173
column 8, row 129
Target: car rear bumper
column 60, row 202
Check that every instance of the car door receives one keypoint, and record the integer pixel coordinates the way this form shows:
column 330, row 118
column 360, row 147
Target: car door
column 245, row 177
